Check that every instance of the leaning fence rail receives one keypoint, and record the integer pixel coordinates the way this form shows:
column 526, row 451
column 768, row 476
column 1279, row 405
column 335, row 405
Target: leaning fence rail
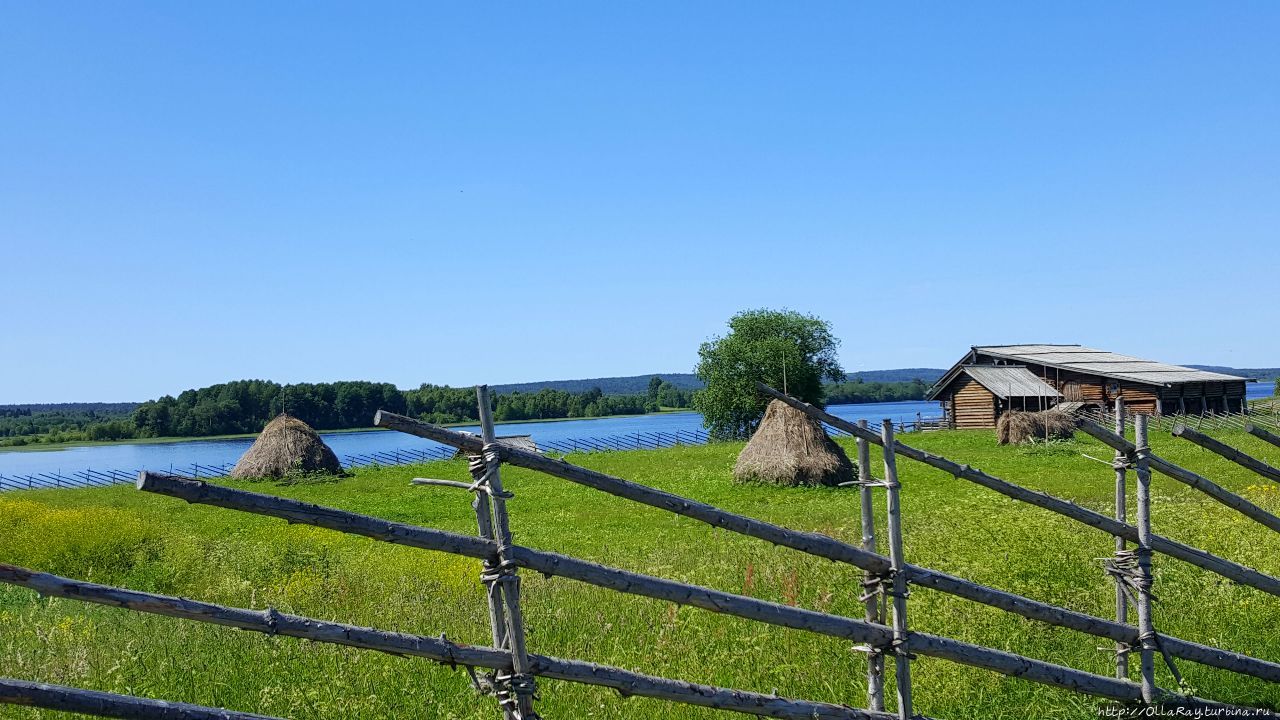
column 832, row 549
column 103, row 704
column 1143, row 459
column 514, row 666
column 438, row 649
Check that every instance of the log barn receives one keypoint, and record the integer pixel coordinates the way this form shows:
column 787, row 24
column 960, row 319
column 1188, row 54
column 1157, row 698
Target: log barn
column 992, row 379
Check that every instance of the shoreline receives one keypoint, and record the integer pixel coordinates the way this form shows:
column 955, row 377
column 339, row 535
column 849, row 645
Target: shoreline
column 49, row 447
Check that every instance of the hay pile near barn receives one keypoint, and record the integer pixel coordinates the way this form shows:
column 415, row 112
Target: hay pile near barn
column 790, row 448
column 286, row 446
column 1016, row 426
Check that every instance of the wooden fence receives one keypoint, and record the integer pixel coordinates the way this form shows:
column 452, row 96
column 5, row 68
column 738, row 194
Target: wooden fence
column 883, row 631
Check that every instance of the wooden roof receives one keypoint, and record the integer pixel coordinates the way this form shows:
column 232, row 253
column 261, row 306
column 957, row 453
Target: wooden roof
column 1004, row 381
column 1078, row 358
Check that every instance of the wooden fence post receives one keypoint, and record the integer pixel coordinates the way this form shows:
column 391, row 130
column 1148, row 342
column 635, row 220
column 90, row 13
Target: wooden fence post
column 1146, row 626
column 901, row 657
column 515, row 690
column 1122, row 604
column 871, row 582
column 489, row 573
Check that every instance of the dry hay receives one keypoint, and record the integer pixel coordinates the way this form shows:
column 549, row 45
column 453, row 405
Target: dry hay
column 287, row 446
column 790, row 448
column 1017, row 426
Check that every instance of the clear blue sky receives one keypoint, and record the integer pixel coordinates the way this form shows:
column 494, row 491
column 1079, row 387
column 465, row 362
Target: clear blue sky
column 308, row 192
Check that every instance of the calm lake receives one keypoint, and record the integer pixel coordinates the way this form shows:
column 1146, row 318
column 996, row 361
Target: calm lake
column 133, row 457
column 164, row 456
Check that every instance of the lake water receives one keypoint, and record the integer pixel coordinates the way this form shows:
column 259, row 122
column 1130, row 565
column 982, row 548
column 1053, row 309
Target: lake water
column 133, row 457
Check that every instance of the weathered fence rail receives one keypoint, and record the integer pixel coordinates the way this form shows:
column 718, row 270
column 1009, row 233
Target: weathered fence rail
column 553, row 564
column 103, row 704
column 438, row 649
column 1138, row 574
column 832, row 549
column 886, row 580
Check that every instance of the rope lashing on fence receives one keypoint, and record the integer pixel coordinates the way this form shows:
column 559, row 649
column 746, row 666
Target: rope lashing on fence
column 481, row 468
column 1126, row 567
column 514, row 690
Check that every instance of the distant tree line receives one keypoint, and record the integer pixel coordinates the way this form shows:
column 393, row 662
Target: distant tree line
column 244, row 406
column 858, row 391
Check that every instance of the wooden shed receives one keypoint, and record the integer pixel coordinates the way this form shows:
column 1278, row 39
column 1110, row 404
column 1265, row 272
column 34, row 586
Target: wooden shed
column 1083, row 377
column 974, row 396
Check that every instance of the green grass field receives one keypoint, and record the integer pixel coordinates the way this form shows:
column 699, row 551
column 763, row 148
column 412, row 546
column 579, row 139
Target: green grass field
column 124, row 537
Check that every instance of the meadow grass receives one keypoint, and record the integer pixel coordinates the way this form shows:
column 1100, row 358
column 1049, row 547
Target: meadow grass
column 123, row 537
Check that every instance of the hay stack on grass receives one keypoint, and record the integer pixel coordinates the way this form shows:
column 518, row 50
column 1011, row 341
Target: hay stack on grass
column 286, row 446
column 1017, row 426
column 790, row 448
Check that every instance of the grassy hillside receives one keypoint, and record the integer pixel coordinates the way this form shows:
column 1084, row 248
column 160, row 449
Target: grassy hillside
column 121, row 536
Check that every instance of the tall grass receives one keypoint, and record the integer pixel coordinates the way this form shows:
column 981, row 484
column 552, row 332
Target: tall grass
column 121, row 536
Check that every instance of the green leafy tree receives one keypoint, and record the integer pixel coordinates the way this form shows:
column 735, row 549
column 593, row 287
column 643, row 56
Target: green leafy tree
column 781, row 348
column 655, row 384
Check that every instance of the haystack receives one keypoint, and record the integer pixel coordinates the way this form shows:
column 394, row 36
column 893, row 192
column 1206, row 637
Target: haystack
column 287, row 446
column 1017, row 426
column 790, row 448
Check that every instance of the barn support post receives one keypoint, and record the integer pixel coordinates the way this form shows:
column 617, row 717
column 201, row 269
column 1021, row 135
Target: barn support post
column 901, row 654
column 1146, row 626
column 1122, row 605
column 872, row 595
column 516, row 689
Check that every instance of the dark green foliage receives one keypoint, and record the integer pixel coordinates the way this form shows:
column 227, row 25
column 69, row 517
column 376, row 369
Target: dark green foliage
column 784, row 349
column 62, row 420
column 858, row 391
column 245, row 406
column 928, row 375
column 629, row 385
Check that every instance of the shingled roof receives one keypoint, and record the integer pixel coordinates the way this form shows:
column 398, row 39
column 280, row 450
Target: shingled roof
column 1100, row 362
column 1004, row 381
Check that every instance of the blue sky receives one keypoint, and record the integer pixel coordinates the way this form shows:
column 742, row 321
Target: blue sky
column 506, row 192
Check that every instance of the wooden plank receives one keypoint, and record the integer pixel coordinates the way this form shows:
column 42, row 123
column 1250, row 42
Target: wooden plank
column 832, row 549
column 104, row 704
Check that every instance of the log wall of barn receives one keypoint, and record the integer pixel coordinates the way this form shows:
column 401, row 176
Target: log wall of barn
column 972, row 406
